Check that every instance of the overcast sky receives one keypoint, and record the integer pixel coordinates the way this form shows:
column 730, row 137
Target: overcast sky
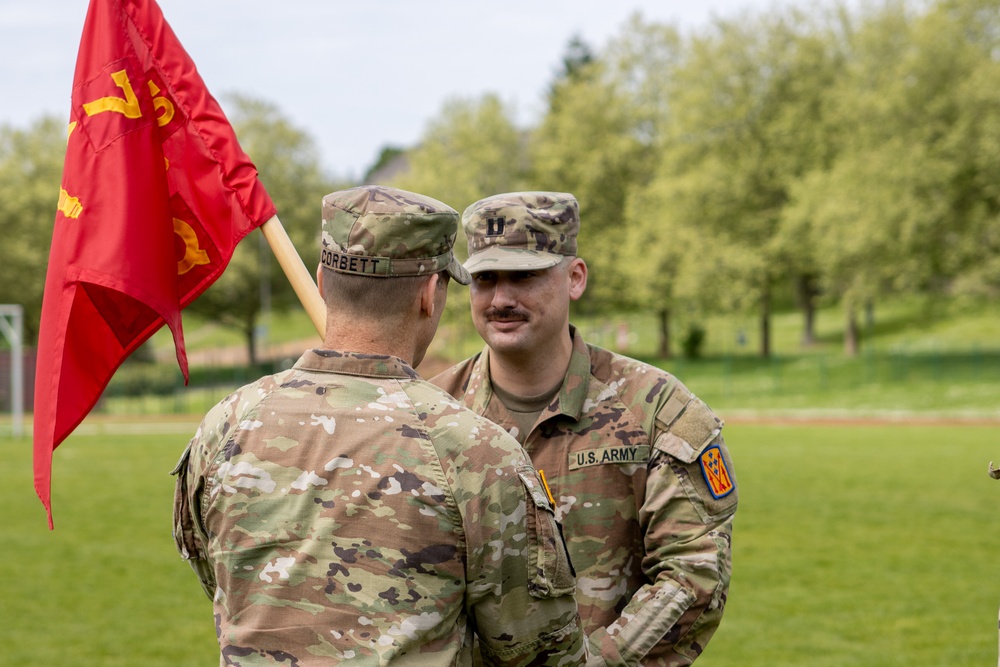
column 355, row 75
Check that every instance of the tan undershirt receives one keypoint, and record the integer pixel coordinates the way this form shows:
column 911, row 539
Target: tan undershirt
column 525, row 409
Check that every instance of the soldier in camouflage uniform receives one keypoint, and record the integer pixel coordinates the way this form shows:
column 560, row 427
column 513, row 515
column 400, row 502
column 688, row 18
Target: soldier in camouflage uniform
column 347, row 511
column 641, row 478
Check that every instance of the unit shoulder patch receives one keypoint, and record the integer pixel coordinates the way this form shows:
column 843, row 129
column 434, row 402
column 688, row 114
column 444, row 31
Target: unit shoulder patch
column 716, row 472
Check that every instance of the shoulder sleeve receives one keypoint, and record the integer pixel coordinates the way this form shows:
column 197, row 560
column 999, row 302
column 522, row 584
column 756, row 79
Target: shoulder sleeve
column 684, row 426
column 191, row 471
column 688, row 431
column 455, row 380
column 687, row 513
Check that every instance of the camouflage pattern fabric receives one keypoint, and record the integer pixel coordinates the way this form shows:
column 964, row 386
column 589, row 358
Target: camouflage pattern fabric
column 347, row 511
column 521, row 231
column 374, row 230
column 644, row 488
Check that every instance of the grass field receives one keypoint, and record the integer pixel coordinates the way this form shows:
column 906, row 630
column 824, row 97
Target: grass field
column 901, row 323
column 929, row 358
column 854, row 545
column 862, row 545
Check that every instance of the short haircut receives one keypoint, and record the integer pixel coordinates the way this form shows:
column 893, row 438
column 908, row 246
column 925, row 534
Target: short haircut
column 371, row 297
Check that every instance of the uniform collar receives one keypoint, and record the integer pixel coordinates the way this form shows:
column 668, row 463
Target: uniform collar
column 356, row 363
column 573, row 394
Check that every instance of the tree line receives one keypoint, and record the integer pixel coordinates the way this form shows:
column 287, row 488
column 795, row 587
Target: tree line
column 822, row 156
column 838, row 154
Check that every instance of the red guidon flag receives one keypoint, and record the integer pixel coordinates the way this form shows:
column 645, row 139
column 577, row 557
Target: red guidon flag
column 155, row 195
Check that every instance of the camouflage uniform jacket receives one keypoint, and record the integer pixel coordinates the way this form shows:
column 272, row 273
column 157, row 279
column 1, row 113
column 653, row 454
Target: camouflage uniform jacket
column 345, row 510
column 643, row 486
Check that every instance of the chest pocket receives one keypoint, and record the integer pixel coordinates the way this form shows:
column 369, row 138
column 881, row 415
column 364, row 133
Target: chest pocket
column 553, row 574
column 691, row 435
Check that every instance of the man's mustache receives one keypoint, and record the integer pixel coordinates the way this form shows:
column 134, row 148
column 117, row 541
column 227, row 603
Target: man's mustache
column 506, row 314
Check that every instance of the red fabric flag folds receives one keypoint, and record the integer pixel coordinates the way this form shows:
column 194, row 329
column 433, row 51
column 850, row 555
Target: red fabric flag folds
column 156, row 193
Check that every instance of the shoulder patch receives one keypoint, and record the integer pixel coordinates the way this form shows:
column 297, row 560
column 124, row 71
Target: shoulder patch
column 716, row 472
column 694, row 449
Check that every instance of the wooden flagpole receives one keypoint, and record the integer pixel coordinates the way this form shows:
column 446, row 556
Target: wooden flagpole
column 300, row 278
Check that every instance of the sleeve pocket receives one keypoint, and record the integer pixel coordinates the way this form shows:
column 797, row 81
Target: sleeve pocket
column 553, row 574
column 186, row 536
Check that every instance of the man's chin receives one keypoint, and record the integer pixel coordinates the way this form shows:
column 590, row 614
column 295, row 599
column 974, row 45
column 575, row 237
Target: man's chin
column 510, row 337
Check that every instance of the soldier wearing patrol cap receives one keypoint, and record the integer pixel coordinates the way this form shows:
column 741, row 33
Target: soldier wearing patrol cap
column 347, row 511
column 636, row 464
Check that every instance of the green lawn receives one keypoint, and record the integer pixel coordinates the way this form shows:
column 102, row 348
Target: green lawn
column 918, row 357
column 904, row 324
column 853, row 545
column 862, row 546
column 106, row 587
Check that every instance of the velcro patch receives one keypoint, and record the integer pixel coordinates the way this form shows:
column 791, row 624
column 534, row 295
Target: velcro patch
column 715, row 472
column 619, row 454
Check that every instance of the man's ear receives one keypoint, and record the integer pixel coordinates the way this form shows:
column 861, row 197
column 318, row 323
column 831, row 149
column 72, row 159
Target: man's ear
column 428, row 292
column 577, row 274
column 319, row 280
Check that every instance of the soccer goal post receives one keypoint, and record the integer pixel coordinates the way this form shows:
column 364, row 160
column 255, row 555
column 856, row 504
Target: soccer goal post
column 12, row 327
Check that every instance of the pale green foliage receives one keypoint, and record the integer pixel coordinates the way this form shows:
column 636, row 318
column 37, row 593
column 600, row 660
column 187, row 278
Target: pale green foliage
column 595, row 142
column 854, row 145
column 471, row 150
column 732, row 142
column 287, row 160
column 858, row 218
column 975, row 135
column 908, row 202
column 857, row 148
column 31, row 163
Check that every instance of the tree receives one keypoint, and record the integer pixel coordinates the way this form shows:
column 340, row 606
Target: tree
column 31, row 162
column 973, row 136
column 802, row 132
column 288, row 162
column 386, row 157
column 895, row 207
column 575, row 60
column 596, row 142
column 860, row 212
column 736, row 137
column 470, row 150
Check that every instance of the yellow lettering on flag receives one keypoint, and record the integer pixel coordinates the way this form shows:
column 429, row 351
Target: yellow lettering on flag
column 129, row 106
column 69, row 206
column 161, row 104
column 193, row 254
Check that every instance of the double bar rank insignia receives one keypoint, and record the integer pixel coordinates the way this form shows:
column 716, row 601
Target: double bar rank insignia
column 713, row 468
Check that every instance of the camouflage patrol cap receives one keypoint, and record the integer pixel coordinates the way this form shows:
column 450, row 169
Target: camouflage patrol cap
column 385, row 232
column 521, row 231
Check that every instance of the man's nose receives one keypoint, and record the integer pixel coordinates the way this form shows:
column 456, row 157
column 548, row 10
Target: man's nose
column 504, row 295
